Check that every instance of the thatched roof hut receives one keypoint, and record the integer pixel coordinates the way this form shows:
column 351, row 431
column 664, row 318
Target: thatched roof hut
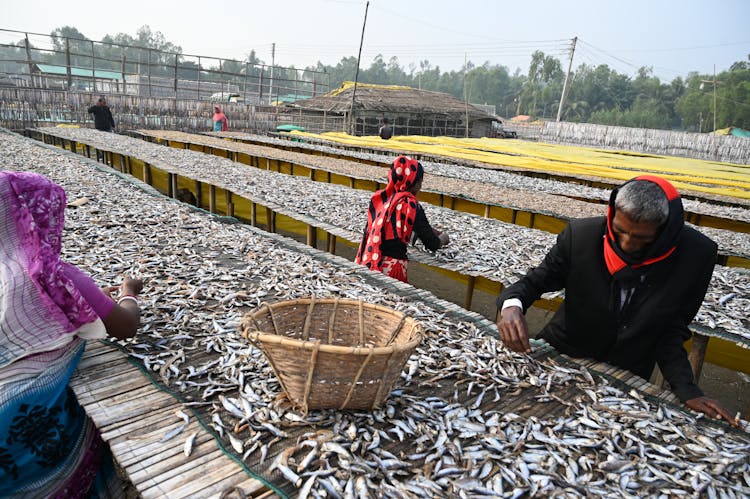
column 409, row 110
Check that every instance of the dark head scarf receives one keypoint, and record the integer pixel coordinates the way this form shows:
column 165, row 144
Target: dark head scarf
column 626, row 269
column 396, row 199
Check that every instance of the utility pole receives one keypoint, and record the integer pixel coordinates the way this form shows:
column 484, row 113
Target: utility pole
column 466, row 98
column 567, row 75
column 713, row 82
column 68, row 72
column 270, row 86
column 714, row 97
column 356, row 73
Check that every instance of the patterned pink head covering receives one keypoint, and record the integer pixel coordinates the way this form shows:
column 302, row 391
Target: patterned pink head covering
column 40, row 307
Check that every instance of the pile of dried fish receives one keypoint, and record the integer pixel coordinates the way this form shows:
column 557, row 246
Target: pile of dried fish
column 479, row 246
column 448, row 182
column 446, row 179
column 485, row 175
column 468, row 418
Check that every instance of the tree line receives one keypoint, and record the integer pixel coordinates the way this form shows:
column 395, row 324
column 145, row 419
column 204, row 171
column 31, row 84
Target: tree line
column 595, row 94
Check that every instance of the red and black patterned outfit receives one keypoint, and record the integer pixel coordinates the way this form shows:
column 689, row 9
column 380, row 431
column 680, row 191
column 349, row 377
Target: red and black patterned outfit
column 394, row 218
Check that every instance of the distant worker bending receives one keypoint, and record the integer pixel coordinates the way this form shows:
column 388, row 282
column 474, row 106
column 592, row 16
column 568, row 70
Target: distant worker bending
column 395, row 219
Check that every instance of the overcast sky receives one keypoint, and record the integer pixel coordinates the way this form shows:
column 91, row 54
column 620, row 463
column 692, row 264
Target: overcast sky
column 672, row 37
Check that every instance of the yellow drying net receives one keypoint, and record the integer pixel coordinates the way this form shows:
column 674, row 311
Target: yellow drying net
column 350, row 84
column 725, row 179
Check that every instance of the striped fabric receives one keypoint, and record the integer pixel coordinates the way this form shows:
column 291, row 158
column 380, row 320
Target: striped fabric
column 48, row 446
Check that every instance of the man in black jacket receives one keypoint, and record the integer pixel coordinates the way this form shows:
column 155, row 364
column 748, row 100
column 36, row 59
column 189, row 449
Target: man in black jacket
column 103, row 119
column 633, row 282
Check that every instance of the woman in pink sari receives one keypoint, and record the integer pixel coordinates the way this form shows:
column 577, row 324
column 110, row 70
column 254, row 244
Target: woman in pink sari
column 48, row 309
column 221, row 124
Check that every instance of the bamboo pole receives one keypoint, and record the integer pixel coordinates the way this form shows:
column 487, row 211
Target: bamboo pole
column 312, row 236
column 469, row 292
column 230, row 205
column 172, row 185
column 198, row 194
column 212, row 198
column 271, row 220
column 146, row 173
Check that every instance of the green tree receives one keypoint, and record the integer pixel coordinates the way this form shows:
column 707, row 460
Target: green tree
column 695, row 106
column 376, row 73
column 733, row 99
column 12, row 58
column 544, row 83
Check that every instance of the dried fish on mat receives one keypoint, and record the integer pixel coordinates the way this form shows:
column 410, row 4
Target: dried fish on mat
column 477, row 173
column 468, row 417
column 479, row 246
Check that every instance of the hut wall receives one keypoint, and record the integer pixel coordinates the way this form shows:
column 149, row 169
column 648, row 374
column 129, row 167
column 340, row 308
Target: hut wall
column 369, row 122
column 479, row 129
column 726, row 148
column 313, row 122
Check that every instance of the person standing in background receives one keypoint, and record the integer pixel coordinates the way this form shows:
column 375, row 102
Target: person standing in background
column 103, row 119
column 385, row 132
column 221, row 124
column 395, row 219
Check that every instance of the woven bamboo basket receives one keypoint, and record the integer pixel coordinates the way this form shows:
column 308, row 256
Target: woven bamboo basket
column 341, row 354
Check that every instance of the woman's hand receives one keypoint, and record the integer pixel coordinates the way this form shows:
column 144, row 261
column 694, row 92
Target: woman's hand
column 131, row 286
column 124, row 318
column 443, row 236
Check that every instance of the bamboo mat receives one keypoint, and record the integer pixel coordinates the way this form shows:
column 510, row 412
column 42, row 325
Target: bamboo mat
column 133, row 416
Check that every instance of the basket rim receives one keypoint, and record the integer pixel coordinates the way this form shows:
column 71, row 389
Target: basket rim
column 309, row 345
column 319, row 301
column 275, row 339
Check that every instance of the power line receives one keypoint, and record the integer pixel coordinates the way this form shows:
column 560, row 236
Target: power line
column 698, row 47
column 604, row 52
column 450, row 29
column 733, row 101
column 597, row 59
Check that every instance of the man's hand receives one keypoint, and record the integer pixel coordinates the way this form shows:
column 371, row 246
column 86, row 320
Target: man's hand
column 514, row 332
column 712, row 409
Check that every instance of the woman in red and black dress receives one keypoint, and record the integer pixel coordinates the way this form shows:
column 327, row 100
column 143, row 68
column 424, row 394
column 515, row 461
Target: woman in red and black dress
column 395, row 219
